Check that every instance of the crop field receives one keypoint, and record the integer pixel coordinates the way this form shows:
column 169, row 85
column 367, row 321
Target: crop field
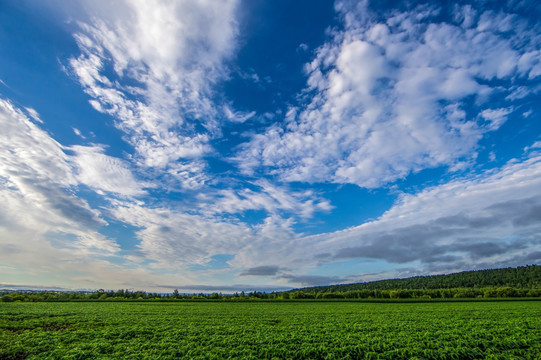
column 267, row 330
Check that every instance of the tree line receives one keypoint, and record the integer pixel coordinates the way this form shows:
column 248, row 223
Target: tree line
column 522, row 277
column 127, row 295
column 498, row 283
column 123, row 295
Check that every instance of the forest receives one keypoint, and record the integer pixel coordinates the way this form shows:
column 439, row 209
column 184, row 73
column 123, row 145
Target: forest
column 521, row 277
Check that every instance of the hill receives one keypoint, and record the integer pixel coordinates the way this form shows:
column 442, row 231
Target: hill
column 520, row 278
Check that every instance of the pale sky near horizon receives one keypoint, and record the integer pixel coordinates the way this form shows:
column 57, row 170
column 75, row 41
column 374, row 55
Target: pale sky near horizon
column 232, row 145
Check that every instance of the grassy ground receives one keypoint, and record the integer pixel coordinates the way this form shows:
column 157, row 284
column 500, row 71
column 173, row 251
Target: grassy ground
column 266, row 330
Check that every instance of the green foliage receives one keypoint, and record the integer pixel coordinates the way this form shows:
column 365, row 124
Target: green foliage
column 524, row 281
column 271, row 330
column 6, row 298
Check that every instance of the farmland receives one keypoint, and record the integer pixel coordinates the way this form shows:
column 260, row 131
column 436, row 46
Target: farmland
column 254, row 330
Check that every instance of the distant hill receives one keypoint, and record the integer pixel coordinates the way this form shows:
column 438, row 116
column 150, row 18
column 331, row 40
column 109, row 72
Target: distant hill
column 523, row 277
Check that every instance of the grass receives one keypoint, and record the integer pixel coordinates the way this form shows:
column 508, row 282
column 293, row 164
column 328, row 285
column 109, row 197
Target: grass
column 267, row 330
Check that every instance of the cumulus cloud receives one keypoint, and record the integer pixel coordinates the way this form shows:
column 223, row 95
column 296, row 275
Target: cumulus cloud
column 396, row 94
column 151, row 66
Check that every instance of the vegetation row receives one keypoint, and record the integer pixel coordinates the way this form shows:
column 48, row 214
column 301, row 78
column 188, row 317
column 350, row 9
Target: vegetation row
column 518, row 282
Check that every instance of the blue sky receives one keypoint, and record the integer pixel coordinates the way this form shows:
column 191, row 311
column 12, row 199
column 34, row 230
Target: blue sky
column 265, row 145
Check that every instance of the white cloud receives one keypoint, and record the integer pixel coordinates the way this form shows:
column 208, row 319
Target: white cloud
column 48, row 234
column 29, row 151
column 237, row 116
column 393, row 97
column 33, row 114
column 174, row 239
column 165, row 57
column 192, row 174
column 486, row 221
column 491, row 220
column 265, row 196
column 384, row 99
column 527, row 114
column 535, row 145
column 495, row 117
column 78, row 133
column 530, row 64
column 37, row 181
column 178, row 240
column 102, row 172
column 519, row 93
column 303, row 47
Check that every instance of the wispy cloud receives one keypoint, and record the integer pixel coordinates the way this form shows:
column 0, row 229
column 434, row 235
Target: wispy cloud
column 46, row 227
column 152, row 68
column 37, row 192
column 174, row 239
column 104, row 173
column 237, row 116
column 495, row 117
column 264, row 195
column 33, row 114
column 392, row 95
column 78, row 133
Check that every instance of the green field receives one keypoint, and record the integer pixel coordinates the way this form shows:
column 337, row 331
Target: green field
column 266, row 330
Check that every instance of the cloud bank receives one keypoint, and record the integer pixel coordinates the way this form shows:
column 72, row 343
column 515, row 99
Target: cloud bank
column 390, row 95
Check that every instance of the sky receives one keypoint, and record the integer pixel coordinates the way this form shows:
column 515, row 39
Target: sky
column 229, row 145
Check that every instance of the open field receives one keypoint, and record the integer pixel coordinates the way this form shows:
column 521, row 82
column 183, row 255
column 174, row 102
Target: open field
column 266, row 330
